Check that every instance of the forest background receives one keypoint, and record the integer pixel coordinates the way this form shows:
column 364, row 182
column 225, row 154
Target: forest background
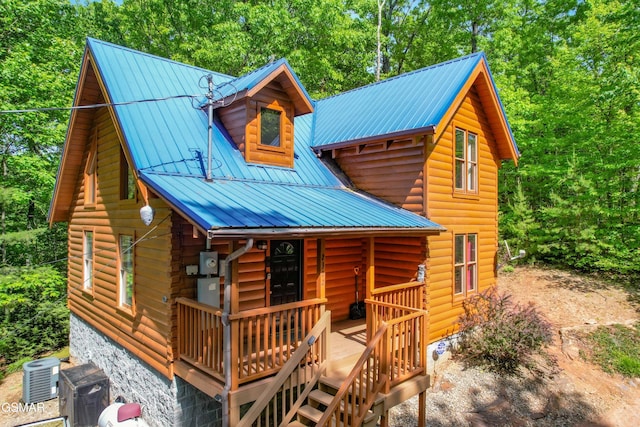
column 568, row 73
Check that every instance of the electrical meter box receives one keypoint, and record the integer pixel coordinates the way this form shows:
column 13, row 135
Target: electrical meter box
column 209, row 263
column 209, row 291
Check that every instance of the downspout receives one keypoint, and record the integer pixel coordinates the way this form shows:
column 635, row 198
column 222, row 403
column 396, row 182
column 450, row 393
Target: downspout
column 226, row 334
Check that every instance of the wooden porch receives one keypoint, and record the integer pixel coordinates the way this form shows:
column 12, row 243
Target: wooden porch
column 282, row 353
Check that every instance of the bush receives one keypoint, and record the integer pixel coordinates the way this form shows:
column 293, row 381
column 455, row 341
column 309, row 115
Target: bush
column 501, row 335
column 33, row 314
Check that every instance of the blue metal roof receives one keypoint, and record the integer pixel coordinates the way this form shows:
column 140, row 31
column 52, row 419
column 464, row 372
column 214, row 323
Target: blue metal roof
column 170, row 136
column 235, row 206
column 411, row 101
column 167, row 140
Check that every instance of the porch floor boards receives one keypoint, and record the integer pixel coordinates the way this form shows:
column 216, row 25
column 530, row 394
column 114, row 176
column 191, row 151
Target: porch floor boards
column 347, row 341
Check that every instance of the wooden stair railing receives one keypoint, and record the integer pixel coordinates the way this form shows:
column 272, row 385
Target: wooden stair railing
column 295, row 380
column 358, row 393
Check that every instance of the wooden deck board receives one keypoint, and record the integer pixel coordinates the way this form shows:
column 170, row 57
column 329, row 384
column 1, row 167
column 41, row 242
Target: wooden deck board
column 348, row 337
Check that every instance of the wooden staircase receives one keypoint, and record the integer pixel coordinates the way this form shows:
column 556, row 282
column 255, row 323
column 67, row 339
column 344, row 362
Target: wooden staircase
column 328, row 385
column 320, row 399
column 390, row 370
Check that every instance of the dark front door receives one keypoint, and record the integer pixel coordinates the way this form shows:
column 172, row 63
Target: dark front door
column 286, row 269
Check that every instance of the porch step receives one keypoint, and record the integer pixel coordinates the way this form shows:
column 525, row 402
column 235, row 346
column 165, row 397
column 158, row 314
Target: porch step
column 320, row 397
column 308, row 412
column 332, row 383
column 342, row 366
column 319, row 400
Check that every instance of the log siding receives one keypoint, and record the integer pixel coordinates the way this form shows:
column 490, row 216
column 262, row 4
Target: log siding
column 395, row 171
column 145, row 330
column 460, row 213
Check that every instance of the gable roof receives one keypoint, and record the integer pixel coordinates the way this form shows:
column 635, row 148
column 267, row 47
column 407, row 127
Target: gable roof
column 419, row 101
column 165, row 142
column 251, row 83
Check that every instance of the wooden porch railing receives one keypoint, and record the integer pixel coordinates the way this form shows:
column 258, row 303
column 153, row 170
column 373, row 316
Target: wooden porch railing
column 410, row 294
column 200, row 336
column 405, row 337
column 394, row 355
column 262, row 340
column 358, row 392
column 278, row 404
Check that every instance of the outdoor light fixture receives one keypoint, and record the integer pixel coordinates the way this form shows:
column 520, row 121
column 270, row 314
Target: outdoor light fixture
column 262, row 245
column 146, row 214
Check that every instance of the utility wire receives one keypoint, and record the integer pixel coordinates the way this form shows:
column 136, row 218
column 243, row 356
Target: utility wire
column 144, row 238
column 116, row 104
column 87, row 107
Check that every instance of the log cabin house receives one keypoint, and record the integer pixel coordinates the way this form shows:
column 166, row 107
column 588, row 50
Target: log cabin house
column 221, row 230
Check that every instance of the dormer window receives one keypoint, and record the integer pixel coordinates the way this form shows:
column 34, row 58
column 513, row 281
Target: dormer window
column 259, row 117
column 270, row 126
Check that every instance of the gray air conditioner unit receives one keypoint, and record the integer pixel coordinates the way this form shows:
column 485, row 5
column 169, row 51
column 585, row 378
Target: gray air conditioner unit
column 40, row 380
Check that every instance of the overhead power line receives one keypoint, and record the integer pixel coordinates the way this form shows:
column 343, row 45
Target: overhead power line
column 87, row 107
column 203, row 96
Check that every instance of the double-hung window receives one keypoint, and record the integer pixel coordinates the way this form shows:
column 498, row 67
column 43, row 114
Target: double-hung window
column 466, row 161
column 90, row 178
column 127, row 180
column 87, row 260
column 465, row 264
column 125, row 271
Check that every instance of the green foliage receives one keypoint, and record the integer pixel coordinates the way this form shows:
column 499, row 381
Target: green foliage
column 616, row 348
column 33, row 313
column 576, row 116
column 39, row 62
column 501, row 335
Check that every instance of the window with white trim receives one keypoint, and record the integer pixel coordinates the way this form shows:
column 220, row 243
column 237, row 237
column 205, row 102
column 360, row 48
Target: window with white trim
column 465, row 264
column 466, row 161
column 87, row 260
column 125, row 270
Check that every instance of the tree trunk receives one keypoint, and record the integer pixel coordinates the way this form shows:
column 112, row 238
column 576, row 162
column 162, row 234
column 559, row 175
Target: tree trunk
column 379, row 31
column 474, row 37
column 3, row 215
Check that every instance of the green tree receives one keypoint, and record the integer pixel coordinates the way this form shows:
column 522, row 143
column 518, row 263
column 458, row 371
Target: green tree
column 39, row 60
column 578, row 136
column 33, row 314
column 329, row 47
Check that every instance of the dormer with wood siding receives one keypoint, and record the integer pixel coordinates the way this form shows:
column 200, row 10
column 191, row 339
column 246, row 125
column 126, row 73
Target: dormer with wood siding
column 260, row 113
column 250, row 120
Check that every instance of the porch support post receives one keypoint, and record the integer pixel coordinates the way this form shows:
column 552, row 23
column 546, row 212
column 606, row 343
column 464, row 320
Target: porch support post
column 230, row 350
column 233, row 281
column 371, row 277
column 371, row 268
column 422, row 408
column 321, row 275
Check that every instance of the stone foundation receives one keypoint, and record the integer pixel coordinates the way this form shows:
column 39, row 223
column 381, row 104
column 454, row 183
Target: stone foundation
column 164, row 402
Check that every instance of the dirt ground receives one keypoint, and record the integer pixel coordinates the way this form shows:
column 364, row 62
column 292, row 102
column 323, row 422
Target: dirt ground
column 573, row 393
column 574, row 305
